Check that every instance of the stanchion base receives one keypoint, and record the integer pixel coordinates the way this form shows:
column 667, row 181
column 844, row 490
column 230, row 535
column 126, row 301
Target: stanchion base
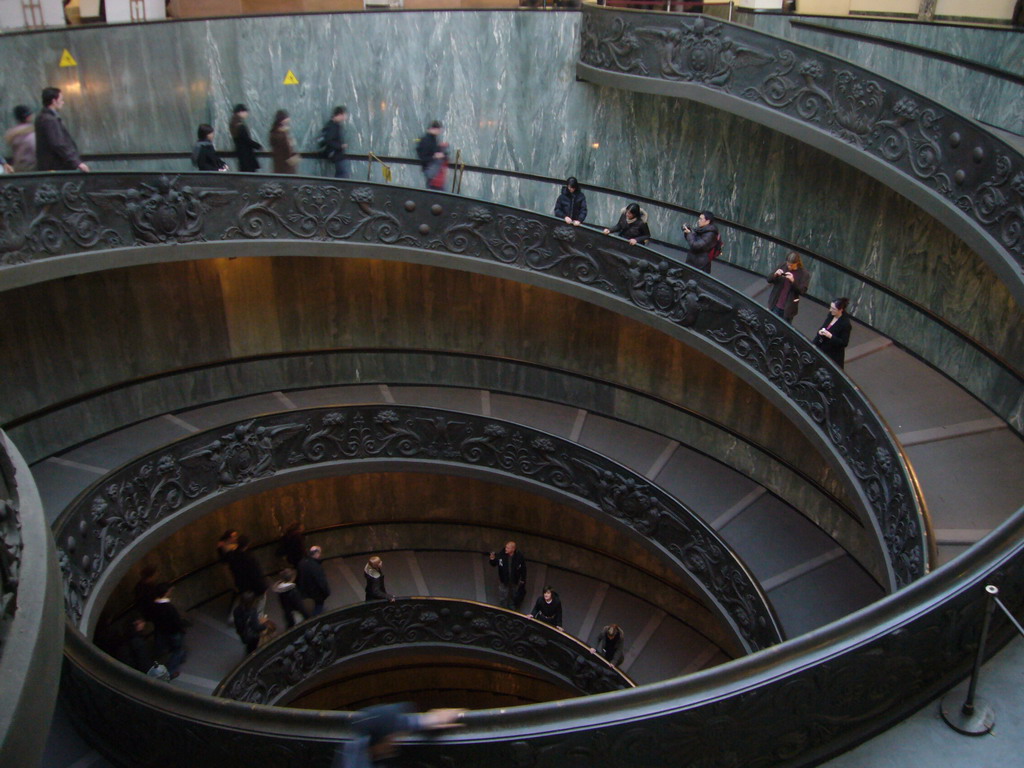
column 977, row 722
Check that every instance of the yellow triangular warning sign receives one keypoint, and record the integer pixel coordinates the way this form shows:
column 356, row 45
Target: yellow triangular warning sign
column 291, row 79
column 67, row 60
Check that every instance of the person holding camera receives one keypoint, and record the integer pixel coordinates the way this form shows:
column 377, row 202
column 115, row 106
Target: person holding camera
column 834, row 334
column 789, row 282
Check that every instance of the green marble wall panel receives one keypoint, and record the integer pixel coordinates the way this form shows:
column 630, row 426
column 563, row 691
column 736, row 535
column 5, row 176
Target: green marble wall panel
column 144, row 88
column 992, row 100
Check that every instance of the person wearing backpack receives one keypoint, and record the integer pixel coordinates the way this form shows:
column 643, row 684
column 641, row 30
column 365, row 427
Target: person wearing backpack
column 332, row 142
column 704, row 241
column 433, row 156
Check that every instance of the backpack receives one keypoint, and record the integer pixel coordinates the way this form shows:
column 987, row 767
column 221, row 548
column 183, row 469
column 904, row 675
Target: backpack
column 716, row 248
column 321, row 142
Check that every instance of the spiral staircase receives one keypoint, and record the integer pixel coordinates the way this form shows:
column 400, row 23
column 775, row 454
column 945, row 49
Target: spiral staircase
column 787, row 518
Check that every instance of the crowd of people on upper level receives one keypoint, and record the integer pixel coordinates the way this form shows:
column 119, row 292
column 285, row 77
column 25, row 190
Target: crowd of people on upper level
column 42, row 142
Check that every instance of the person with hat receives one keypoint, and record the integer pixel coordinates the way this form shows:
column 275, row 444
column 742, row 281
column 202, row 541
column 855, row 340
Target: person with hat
column 245, row 144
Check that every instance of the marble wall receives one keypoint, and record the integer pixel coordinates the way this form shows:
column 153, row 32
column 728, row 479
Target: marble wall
column 504, row 83
column 992, row 100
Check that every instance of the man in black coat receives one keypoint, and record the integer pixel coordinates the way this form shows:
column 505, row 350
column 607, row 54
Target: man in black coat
column 430, row 151
column 55, row 149
column 511, row 567
column 247, row 573
column 168, row 630
column 702, row 241
column 335, row 146
column 245, row 144
column 312, row 581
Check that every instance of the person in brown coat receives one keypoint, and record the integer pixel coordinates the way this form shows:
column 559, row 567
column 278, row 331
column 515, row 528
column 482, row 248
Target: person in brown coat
column 789, row 282
column 282, row 146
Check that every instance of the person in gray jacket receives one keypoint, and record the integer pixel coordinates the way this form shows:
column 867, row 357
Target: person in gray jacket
column 610, row 644
column 55, row 149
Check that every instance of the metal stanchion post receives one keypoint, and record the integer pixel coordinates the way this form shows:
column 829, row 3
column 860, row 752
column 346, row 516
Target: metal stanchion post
column 975, row 717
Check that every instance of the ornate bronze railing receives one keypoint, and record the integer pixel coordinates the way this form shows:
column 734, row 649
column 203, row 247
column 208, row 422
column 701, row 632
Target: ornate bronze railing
column 31, row 626
column 10, row 544
column 794, row 705
column 945, row 162
column 192, row 216
column 318, row 648
column 120, row 509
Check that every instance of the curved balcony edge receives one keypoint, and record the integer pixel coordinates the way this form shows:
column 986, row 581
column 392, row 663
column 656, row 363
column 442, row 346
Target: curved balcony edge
column 280, row 669
column 106, row 523
column 33, row 632
column 841, row 684
column 119, row 219
column 949, row 165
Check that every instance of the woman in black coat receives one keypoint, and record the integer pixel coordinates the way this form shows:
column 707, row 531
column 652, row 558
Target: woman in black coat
column 834, row 334
column 632, row 225
column 374, row 574
column 571, row 205
column 548, row 608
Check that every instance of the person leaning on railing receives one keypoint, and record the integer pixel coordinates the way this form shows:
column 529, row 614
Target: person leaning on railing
column 571, row 205
column 632, row 225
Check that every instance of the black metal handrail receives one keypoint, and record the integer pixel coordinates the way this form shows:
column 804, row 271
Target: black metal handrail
column 320, row 647
column 943, row 161
column 139, row 216
column 121, row 508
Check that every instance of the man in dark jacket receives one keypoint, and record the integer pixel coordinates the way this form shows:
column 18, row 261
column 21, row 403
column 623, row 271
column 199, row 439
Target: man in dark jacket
column 245, row 144
column 431, row 152
column 511, row 567
column 55, row 149
column 312, row 581
column 702, row 241
column 168, row 630
column 335, row 145
column 247, row 572
column 571, row 205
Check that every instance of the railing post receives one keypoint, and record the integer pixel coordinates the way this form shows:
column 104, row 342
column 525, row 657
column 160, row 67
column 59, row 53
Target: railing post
column 975, row 716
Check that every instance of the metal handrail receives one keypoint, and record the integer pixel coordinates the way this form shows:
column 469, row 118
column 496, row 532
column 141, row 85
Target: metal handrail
column 321, row 646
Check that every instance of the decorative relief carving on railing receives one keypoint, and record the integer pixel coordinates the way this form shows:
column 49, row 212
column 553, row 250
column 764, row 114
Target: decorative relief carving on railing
column 247, row 207
column 946, row 152
column 10, row 545
column 123, row 507
column 326, row 641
